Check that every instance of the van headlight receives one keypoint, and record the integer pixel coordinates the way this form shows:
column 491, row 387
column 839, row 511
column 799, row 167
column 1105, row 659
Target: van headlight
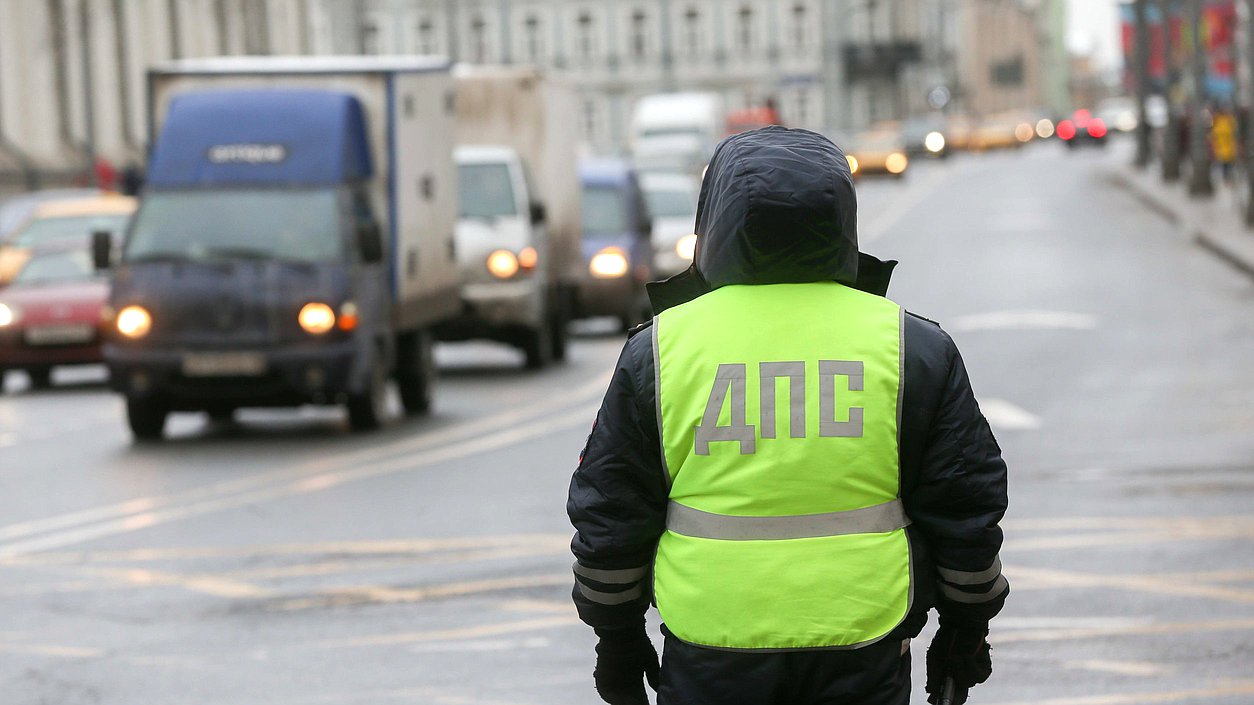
column 609, row 263
column 134, row 322
column 686, row 247
column 934, row 142
column 316, row 318
column 9, row 314
column 502, row 264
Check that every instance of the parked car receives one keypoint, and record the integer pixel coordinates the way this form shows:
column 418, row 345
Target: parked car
column 63, row 220
column 672, row 200
column 50, row 315
column 880, row 150
column 617, row 247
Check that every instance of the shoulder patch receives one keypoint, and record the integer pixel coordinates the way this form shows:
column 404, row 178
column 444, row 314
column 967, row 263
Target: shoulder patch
column 643, row 326
column 923, row 318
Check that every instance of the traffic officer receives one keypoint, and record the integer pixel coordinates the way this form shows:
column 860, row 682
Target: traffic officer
column 791, row 467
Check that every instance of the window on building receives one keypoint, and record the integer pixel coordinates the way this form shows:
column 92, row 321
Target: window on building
column 585, row 39
column 692, row 32
column 478, row 40
column 370, row 39
column 800, row 32
column 426, row 36
column 532, row 33
column 802, row 116
column 589, row 120
column 639, row 35
column 744, row 28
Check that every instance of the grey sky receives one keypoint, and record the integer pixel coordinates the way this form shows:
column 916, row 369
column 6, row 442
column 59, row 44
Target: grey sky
column 1093, row 26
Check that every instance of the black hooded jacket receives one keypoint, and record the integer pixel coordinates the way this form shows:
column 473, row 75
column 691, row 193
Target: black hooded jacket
column 778, row 206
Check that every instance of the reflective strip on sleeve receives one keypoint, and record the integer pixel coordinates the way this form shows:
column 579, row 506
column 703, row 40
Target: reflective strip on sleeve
column 975, row 598
column 963, row 577
column 625, row 576
column 880, row 518
column 610, row 598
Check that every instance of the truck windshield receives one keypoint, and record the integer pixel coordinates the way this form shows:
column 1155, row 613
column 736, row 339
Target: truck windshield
column 604, row 211
column 300, row 226
column 485, row 191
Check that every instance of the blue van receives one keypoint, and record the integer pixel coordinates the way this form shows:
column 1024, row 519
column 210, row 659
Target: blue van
column 617, row 246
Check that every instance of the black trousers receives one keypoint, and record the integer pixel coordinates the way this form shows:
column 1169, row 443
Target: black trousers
column 874, row 675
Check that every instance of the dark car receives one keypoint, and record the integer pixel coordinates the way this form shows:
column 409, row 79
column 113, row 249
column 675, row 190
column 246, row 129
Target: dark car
column 617, row 246
column 1082, row 129
column 51, row 313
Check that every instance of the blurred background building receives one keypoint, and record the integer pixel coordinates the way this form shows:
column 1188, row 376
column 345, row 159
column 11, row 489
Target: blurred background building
column 72, row 86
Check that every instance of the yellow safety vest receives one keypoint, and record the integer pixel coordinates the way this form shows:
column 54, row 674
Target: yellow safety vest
column 779, row 408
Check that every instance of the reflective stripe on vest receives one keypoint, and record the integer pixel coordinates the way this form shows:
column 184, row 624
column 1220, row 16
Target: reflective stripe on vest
column 779, row 410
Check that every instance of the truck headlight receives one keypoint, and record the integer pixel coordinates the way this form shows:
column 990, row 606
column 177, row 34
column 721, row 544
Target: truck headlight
column 686, row 247
column 316, row 318
column 934, row 142
column 896, row 163
column 9, row 314
column 134, row 322
column 609, row 263
column 503, row 264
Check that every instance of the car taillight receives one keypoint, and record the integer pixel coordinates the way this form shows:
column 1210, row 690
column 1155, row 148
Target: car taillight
column 1097, row 128
column 1066, row 129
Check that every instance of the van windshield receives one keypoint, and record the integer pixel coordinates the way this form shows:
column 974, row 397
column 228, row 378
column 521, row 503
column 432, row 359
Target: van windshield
column 299, row 226
column 485, row 191
column 604, row 212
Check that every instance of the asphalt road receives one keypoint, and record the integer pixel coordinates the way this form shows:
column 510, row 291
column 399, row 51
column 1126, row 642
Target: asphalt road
column 281, row 560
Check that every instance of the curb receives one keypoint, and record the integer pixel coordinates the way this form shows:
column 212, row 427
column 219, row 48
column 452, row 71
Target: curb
column 1198, row 235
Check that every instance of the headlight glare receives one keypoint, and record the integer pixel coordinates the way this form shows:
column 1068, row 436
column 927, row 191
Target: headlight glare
column 316, row 318
column 853, row 163
column 934, row 142
column 9, row 314
column 502, row 264
column 896, row 163
column 609, row 263
column 686, row 247
column 134, row 322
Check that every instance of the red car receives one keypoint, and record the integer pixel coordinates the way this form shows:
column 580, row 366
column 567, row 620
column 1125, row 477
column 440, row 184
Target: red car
column 51, row 313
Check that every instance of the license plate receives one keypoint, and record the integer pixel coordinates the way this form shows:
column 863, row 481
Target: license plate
column 227, row 364
column 67, row 334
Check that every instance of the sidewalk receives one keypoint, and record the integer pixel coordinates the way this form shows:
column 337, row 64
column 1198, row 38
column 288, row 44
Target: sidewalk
column 1214, row 223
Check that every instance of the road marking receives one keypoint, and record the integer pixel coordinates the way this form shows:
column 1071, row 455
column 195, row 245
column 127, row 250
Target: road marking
column 1085, row 633
column 352, row 548
column 482, row 630
column 898, row 208
column 383, row 594
column 1121, row 668
column 1042, row 579
column 358, row 471
column 51, row 650
column 1025, row 320
column 206, row 584
column 1142, row 698
column 1004, row 415
column 477, row 428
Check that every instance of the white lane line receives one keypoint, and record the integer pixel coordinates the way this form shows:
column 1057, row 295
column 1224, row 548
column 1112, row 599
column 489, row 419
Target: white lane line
column 1006, row 416
column 302, row 485
column 1121, row 668
column 1026, row 319
column 482, row 427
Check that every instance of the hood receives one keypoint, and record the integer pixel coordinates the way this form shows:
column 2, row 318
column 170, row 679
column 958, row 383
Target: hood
column 777, row 206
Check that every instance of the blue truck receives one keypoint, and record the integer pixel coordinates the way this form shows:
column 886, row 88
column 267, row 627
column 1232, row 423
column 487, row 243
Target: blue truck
column 294, row 240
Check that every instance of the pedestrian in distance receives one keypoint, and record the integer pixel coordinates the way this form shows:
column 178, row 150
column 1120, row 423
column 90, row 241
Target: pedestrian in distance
column 789, row 466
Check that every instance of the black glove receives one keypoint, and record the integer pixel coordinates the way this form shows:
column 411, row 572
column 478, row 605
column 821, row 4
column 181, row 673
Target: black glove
column 961, row 652
column 625, row 659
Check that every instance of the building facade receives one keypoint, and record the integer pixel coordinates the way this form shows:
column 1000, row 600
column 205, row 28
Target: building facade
column 72, row 72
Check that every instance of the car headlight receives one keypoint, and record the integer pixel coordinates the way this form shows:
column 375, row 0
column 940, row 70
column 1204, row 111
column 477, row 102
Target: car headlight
column 502, row 264
column 1045, row 128
column 609, row 263
column 9, row 314
column 934, row 142
column 853, row 163
column 316, row 318
column 686, row 247
column 1024, row 132
column 134, row 322
column 896, row 163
